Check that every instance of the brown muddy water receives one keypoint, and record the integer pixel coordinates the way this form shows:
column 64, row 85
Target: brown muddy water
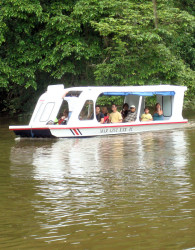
column 116, row 192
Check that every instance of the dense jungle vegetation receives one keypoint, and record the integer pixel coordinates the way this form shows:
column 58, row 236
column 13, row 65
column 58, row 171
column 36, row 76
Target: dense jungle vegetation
column 93, row 42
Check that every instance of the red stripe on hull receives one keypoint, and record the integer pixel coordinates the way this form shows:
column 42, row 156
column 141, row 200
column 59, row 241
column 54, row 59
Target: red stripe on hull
column 101, row 126
column 141, row 124
column 75, row 131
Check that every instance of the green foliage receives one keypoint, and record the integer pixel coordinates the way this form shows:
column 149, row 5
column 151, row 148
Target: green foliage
column 98, row 42
column 136, row 52
column 150, row 101
column 109, row 100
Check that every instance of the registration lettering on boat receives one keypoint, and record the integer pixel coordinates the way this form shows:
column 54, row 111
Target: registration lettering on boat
column 115, row 130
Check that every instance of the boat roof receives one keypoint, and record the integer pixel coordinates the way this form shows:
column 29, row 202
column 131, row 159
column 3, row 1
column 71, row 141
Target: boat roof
column 135, row 90
column 126, row 88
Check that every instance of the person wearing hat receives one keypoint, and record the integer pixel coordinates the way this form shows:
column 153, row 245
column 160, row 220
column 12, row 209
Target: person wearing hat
column 132, row 115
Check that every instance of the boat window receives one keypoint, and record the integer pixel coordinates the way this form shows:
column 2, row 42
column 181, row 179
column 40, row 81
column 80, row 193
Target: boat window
column 107, row 101
column 39, row 111
column 63, row 114
column 150, row 101
column 167, row 105
column 64, row 107
column 74, row 93
column 87, row 112
column 47, row 112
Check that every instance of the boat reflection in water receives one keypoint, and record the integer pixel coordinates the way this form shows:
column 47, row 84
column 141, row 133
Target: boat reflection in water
column 109, row 185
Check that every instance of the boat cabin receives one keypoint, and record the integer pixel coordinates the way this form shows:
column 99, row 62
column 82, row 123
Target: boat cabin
column 80, row 102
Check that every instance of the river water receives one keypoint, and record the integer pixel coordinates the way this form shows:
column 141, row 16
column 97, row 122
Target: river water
column 116, row 192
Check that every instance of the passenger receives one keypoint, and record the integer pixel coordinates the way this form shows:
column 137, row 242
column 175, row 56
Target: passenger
column 146, row 117
column 106, row 114
column 99, row 115
column 158, row 113
column 125, row 110
column 64, row 118
column 105, row 111
column 115, row 116
column 132, row 115
column 55, row 122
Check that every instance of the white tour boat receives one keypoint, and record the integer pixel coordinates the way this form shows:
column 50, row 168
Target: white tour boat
column 82, row 122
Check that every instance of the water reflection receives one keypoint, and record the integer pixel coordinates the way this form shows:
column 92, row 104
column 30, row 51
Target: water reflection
column 99, row 187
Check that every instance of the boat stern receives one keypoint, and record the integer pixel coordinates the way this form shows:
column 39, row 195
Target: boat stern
column 28, row 131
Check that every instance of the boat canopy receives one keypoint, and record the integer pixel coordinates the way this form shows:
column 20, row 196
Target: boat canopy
column 163, row 93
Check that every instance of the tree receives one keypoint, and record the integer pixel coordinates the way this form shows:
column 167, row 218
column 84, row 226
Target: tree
column 103, row 42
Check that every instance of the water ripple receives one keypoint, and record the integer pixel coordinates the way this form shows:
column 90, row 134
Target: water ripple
column 118, row 191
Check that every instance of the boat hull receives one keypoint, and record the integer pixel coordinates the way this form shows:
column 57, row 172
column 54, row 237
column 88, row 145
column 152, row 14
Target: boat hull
column 63, row 131
column 27, row 131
